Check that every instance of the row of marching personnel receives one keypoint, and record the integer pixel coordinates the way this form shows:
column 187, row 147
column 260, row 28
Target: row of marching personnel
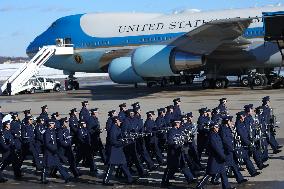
column 134, row 146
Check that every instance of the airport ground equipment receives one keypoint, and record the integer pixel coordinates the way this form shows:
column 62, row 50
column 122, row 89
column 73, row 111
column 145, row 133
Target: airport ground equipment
column 44, row 84
column 19, row 80
column 274, row 32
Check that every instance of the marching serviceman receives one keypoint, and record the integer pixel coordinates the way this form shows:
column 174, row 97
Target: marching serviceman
column 84, row 114
column 44, row 113
column 269, row 121
column 116, row 156
column 250, row 125
column 94, row 128
column 122, row 111
column 176, row 112
column 51, row 158
column 202, row 131
column 229, row 147
column 243, row 132
column 28, row 142
column 65, row 147
column 175, row 156
column 222, row 106
column 9, row 151
column 83, row 150
column 216, row 159
column 152, row 140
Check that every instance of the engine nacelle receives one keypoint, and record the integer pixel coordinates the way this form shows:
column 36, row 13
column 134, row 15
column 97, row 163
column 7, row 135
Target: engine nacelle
column 120, row 71
column 162, row 61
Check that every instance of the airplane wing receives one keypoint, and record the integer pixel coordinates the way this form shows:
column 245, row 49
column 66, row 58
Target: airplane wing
column 208, row 37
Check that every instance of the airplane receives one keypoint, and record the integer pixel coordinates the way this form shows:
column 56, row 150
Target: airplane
column 145, row 47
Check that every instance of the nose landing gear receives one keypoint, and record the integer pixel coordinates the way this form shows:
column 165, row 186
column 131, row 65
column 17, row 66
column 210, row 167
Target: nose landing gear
column 71, row 83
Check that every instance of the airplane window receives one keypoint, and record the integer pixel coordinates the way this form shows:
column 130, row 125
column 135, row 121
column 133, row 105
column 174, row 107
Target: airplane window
column 53, row 24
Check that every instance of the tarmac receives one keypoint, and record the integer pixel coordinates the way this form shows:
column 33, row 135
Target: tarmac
column 107, row 96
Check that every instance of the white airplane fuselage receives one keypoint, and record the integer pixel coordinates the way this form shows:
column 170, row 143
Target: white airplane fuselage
column 101, row 37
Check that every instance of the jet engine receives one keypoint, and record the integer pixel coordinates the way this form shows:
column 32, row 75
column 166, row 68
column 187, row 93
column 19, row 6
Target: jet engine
column 162, row 61
column 120, row 71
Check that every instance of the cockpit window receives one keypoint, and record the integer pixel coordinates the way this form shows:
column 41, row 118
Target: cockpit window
column 53, row 24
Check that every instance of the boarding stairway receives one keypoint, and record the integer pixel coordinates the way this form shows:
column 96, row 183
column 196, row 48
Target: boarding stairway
column 20, row 78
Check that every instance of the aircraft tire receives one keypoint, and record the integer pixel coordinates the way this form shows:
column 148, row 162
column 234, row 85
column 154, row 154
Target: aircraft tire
column 189, row 80
column 177, row 81
column 219, row 84
column 265, row 80
column 245, row 82
column 206, row 84
column 226, row 83
column 258, row 81
column 164, row 82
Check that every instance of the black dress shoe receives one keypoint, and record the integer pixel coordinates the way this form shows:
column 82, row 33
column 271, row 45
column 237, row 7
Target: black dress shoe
column 2, row 180
column 107, row 184
column 67, row 180
column 95, row 174
column 192, row 180
column 242, row 181
column 44, row 182
column 165, row 185
column 263, row 166
column 215, row 182
column 255, row 174
column 278, row 147
column 276, row 151
column 153, row 168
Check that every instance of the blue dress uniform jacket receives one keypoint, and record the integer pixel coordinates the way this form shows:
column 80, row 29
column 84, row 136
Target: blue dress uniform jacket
column 228, row 142
column 39, row 131
column 129, row 125
column 51, row 157
column 175, row 158
column 64, row 137
column 115, row 152
column 73, row 125
column 266, row 113
column 44, row 115
column 168, row 118
column 122, row 116
column 8, row 150
column 176, row 112
column 27, row 133
column 6, row 141
column 16, row 128
column 16, row 132
column 217, row 157
column 50, row 148
column 93, row 125
column 243, row 132
column 84, row 114
column 150, row 127
column 109, row 124
column 223, row 109
column 160, row 122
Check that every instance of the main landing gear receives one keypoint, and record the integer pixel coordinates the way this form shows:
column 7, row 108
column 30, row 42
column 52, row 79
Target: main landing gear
column 219, row 83
column 71, row 83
